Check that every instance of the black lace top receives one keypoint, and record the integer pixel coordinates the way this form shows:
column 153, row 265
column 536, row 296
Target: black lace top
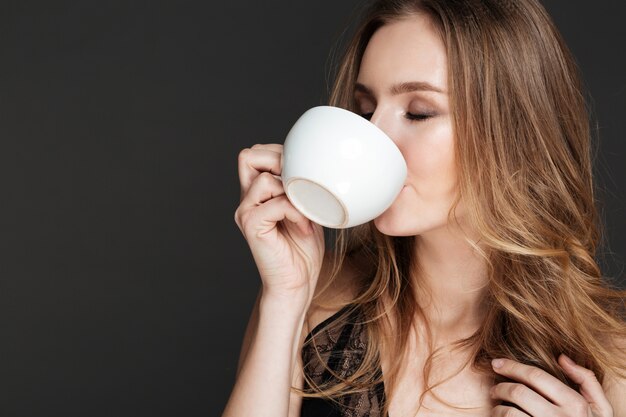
column 342, row 348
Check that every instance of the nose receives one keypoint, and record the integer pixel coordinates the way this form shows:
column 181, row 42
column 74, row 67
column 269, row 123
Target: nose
column 383, row 119
column 377, row 117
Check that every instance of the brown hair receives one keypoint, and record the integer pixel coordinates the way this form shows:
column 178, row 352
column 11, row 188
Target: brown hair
column 525, row 175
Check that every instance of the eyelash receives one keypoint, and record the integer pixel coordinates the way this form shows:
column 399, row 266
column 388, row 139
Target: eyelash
column 410, row 116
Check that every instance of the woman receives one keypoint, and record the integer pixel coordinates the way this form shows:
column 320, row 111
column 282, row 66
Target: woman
column 476, row 292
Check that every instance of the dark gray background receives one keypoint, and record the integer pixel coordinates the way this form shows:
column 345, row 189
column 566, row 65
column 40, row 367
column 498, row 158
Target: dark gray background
column 125, row 284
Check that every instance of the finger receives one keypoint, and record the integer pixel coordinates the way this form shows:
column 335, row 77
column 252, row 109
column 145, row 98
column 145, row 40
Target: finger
column 264, row 187
column 276, row 147
column 262, row 220
column 502, row 411
column 251, row 162
column 521, row 395
column 539, row 380
column 590, row 387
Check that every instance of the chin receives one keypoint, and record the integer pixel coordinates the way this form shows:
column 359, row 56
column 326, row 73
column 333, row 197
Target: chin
column 395, row 223
column 390, row 225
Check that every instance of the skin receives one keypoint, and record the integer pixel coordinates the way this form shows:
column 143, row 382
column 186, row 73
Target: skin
column 452, row 274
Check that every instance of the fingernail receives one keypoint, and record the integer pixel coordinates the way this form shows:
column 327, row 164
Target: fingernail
column 568, row 360
column 497, row 363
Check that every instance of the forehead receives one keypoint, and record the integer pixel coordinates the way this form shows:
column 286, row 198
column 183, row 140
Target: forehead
column 404, row 50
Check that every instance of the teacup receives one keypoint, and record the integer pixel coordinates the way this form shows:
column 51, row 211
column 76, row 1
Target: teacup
column 339, row 169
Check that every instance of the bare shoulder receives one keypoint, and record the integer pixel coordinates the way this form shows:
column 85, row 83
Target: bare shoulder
column 331, row 293
column 614, row 386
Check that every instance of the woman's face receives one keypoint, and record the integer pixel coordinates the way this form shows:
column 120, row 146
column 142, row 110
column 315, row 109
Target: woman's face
column 402, row 88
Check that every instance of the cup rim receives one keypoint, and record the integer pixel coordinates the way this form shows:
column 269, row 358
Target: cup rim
column 352, row 114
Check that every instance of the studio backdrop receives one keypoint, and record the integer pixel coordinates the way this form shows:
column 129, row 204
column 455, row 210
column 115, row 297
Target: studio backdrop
column 125, row 284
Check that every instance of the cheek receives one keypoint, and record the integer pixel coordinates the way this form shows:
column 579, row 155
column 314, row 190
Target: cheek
column 430, row 158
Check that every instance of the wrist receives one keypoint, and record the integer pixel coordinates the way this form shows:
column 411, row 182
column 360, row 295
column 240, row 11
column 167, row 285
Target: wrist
column 290, row 303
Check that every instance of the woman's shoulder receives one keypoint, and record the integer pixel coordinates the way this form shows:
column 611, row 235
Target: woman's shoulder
column 334, row 293
column 614, row 385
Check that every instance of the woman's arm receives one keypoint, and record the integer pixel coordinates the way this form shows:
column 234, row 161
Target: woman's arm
column 340, row 292
column 287, row 249
column 264, row 375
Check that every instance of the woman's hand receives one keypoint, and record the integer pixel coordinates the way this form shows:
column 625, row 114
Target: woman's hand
column 287, row 247
column 540, row 394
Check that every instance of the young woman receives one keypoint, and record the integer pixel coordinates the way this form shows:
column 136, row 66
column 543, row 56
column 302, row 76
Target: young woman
column 476, row 292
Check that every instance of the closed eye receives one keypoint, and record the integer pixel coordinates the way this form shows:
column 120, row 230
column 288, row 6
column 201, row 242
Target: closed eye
column 417, row 117
column 412, row 117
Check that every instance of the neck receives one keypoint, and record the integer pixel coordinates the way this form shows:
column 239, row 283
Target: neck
column 452, row 278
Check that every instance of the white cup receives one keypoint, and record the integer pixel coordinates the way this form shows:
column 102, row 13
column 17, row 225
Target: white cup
column 339, row 169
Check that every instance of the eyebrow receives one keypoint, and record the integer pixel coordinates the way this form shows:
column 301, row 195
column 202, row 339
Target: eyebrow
column 404, row 87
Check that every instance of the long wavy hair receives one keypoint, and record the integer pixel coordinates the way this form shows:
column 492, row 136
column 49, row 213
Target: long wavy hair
column 524, row 157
